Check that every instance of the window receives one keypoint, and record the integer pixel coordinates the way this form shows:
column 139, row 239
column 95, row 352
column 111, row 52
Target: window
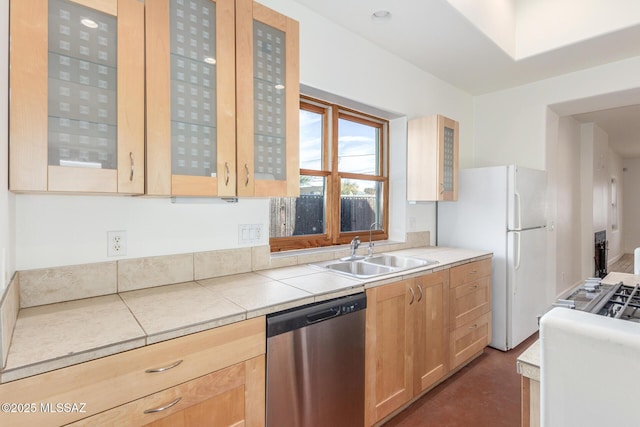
column 343, row 180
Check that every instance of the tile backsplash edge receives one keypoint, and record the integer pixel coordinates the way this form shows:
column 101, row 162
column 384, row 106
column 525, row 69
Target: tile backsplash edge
column 9, row 307
column 141, row 273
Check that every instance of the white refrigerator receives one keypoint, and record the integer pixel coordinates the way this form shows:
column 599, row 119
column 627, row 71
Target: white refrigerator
column 502, row 209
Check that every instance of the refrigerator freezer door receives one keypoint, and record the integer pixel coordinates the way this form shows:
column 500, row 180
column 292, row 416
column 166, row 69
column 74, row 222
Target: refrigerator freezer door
column 526, row 279
column 527, row 198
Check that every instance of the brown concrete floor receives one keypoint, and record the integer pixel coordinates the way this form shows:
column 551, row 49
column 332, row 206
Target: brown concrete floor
column 485, row 393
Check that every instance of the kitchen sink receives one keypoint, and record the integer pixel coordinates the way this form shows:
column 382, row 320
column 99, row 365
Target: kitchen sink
column 399, row 262
column 376, row 265
column 360, row 268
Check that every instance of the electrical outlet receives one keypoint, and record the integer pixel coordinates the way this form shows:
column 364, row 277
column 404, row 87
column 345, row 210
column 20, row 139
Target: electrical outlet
column 116, row 243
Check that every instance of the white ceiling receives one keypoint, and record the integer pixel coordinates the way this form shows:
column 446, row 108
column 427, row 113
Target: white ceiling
column 622, row 125
column 436, row 37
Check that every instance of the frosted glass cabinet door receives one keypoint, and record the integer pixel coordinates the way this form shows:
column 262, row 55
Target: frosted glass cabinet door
column 268, row 101
column 448, row 161
column 432, row 159
column 190, row 48
column 77, row 96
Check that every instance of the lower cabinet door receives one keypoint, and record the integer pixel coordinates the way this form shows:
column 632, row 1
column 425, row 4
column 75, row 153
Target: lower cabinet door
column 233, row 396
column 389, row 341
column 430, row 329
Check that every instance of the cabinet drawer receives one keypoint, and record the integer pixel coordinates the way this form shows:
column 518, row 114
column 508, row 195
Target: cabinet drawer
column 113, row 380
column 469, row 339
column 470, row 272
column 219, row 398
column 469, row 301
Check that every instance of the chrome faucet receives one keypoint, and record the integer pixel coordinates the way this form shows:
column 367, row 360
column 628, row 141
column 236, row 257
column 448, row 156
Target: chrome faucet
column 355, row 244
column 371, row 239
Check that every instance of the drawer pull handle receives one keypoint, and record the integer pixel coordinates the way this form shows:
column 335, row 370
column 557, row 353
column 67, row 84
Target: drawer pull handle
column 421, row 294
column 413, row 295
column 163, row 408
column 132, row 166
column 473, row 287
column 474, row 326
column 166, row 368
column 473, row 272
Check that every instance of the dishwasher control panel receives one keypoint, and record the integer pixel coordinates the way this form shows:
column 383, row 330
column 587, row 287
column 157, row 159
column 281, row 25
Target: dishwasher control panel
column 284, row 321
column 355, row 306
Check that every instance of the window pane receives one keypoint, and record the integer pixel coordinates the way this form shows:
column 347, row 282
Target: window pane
column 360, row 204
column 358, row 147
column 298, row 216
column 310, row 140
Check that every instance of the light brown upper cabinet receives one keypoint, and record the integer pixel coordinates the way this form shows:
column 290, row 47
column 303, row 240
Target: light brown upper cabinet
column 222, row 99
column 432, row 159
column 77, row 96
column 191, row 127
column 268, row 99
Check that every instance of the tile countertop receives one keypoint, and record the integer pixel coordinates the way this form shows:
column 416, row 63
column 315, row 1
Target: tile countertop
column 63, row 334
column 528, row 363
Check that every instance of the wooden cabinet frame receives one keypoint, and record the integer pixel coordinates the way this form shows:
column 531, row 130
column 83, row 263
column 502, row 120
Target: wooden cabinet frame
column 160, row 180
column 406, row 342
column 426, row 159
column 246, row 12
column 28, row 120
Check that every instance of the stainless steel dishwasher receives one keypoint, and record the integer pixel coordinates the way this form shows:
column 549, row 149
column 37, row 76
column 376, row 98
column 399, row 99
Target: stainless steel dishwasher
column 315, row 364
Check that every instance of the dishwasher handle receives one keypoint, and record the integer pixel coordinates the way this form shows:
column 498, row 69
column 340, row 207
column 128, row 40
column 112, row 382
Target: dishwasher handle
column 323, row 315
column 308, row 315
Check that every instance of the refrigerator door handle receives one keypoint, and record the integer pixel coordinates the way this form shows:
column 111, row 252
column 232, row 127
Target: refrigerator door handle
column 517, row 202
column 516, row 250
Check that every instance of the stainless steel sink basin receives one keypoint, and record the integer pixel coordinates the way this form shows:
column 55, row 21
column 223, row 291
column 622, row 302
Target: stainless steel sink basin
column 377, row 265
column 399, row 262
column 360, row 268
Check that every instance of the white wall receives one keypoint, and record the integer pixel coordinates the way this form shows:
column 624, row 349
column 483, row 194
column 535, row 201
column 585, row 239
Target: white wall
column 615, row 237
column 601, row 177
column 587, row 149
column 631, row 208
column 511, row 126
column 601, row 164
column 64, row 230
column 566, row 199
column 7, row 200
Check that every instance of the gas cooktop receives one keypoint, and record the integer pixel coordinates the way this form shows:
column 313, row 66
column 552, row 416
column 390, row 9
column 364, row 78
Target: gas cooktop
column 586, row 297
column 622, row 302
column 619, row 301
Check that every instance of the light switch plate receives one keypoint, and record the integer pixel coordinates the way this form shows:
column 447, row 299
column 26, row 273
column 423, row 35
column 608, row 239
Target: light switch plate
column 249, row 234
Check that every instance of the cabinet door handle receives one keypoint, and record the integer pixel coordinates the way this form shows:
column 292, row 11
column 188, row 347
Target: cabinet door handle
column 442, row 188
column 166, row 368
column 163, row 408
column 132, row 166
column 474, row 326
column 421, row 294
column 473, row 287
column 413, row 296
column 473, row 272
column 246, row 168
column 227, row 173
